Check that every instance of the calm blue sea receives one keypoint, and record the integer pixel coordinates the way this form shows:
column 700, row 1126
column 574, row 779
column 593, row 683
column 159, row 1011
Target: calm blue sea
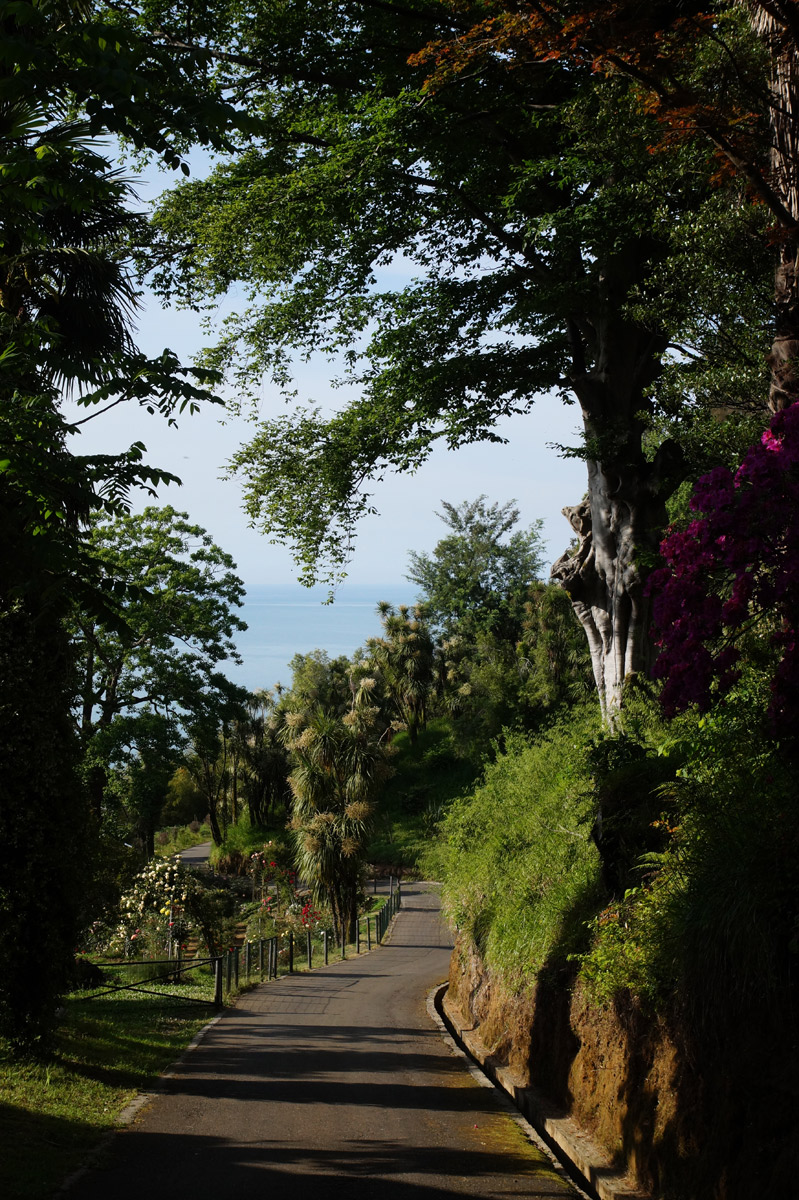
column 284, row 620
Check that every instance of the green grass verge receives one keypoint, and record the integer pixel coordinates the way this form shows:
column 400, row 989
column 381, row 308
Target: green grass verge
column 519, row 866
column 54, row 1111
column 243, row 839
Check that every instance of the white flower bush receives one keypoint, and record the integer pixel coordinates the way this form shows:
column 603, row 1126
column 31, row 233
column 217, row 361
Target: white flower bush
column 153, row 912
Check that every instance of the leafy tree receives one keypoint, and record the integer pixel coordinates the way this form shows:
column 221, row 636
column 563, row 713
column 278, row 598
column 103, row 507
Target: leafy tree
column 554, row 657
column 532, row 254
column 492, row 684
column 159, row 669
column 66, row 297
column 318, row 680
column 478, row 576
column 746, row 111
column 70, row 76
column 508, row 652
column 185, row 801
column 147, row 753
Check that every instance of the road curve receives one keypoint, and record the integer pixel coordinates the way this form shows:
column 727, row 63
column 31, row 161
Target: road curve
column 336, row 1081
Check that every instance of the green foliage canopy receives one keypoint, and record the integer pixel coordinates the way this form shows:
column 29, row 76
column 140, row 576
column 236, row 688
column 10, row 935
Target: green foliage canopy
column 162, row 663
column 495, row 191
column 477, row 578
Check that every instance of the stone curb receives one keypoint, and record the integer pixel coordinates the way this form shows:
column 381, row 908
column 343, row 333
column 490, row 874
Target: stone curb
column 560, row 1133
column 435, row 1011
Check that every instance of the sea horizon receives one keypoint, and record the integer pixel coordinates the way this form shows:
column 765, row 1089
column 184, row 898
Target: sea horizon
column 288, row 619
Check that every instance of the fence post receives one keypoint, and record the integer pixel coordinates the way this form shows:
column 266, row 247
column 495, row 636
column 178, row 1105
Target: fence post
column 261, row 957
column 291, row 952
column 218, row 981
column 247, row 960
column 368, row 933
column 357, row 935
column 399, row 894
column 236, row 965
column 228, row 969
column 324, row 944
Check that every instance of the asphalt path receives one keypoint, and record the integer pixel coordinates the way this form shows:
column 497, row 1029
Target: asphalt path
column 196, row 856
column 337, row 1081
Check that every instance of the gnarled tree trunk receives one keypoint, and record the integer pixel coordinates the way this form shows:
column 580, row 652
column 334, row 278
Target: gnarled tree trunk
column 605, row 580
column 620, row 523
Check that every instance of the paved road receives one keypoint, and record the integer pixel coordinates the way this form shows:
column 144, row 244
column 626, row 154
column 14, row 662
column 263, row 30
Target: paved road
column 334, row 1083
column 196, row 856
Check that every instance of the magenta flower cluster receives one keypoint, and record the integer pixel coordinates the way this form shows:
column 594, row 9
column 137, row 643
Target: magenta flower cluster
column 736, row 565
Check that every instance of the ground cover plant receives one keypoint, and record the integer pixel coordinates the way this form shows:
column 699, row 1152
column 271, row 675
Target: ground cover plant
column 55, row 1109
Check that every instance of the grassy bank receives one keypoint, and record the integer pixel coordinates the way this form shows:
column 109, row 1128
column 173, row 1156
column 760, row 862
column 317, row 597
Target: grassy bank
column 55, row 1110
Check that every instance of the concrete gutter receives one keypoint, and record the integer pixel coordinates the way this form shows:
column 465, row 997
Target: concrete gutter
column 563, row 1135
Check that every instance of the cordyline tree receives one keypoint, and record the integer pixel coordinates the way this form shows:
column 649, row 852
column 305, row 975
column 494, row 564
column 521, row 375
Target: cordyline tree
column 339, row 755
column 403, row 659
column 540, row 227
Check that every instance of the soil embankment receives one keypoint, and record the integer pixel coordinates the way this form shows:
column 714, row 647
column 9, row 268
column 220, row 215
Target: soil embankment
column 682, row 1117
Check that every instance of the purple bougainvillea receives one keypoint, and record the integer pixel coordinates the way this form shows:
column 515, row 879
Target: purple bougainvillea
column 736, row 565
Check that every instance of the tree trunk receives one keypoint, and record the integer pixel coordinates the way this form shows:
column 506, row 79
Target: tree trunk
column 620, row 523
column 213, row 821
column 780, row 36
column 604, row 578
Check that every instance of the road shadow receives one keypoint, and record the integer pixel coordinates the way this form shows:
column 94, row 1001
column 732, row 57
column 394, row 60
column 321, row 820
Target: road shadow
column 174, row 1165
